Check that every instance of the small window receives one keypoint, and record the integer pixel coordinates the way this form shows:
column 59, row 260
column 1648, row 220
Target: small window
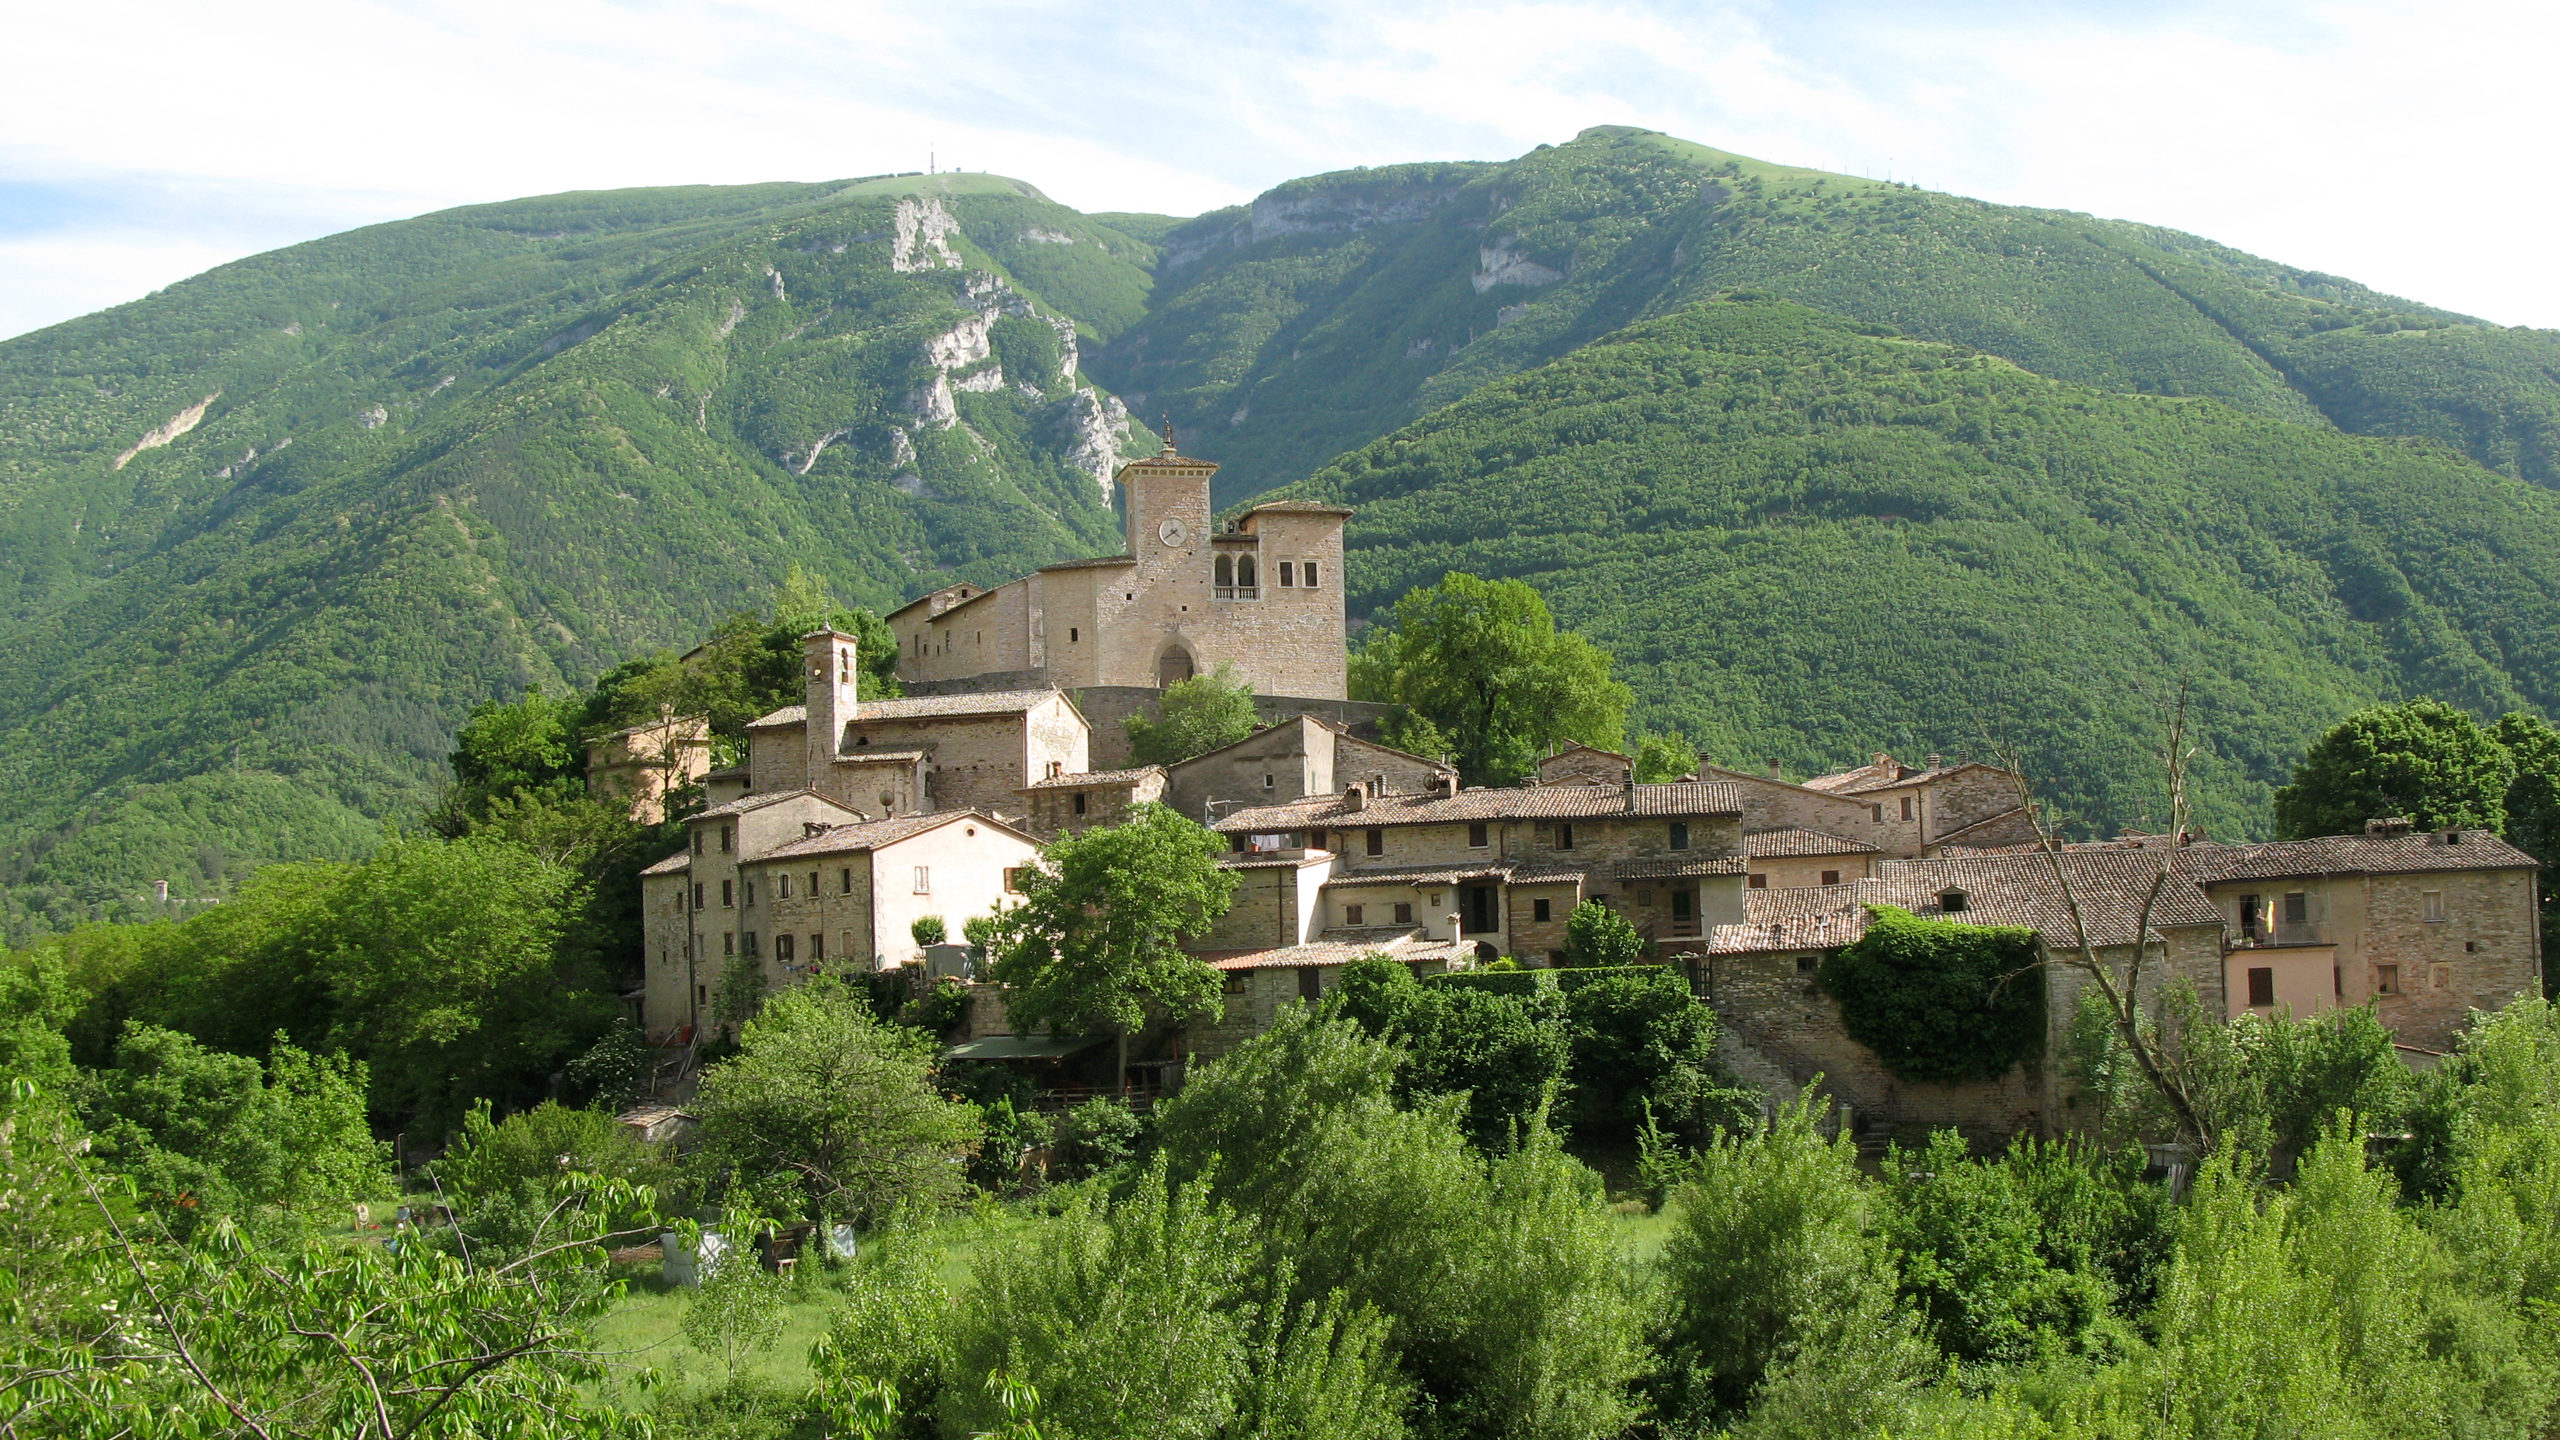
column 924, row 879
column 697, row 896
column 817, row 947
column 1479, row 837
column 1807, row 964
column 701, row 994
column 2431, row 905
column 783, row 949
column 1679, row 834
column 1759, row 882
column 1225, row 573
column 1354, row 914
column 1375, row 841
column 1644, row 898
column 1270, row 781
column 727, row 838
column 728, row 943
column 813, row 884
column 750, row 888
column 844, row 878
column 1877, row 810
column 1404, row 912
column 1071, row 634
column 1013, row 879
column 1954, row 902
column 2262, row 986
column 747, row 946
column 1307, row 576
column 1830, row 877
column 697, row 842
column 782, row 887
column 1310, row 977
column 2297, row 908
column 728, row 894
column 1288, row 576
column 1906, row 807
column 2386, row 979
column 1564, row 837
column 1542, row 909
column 1079, row 802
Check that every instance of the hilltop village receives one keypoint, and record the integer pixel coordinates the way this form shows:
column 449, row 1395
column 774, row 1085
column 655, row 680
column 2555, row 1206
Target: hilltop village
column 852, row 818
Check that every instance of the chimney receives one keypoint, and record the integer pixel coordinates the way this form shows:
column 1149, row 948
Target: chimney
column 829, row 669
column 1454, row 936
column 1354, row 796
column 2390, row 825
column 1774, row 772
column 1445, row 785
column 1627, row 783
column 1934, row 758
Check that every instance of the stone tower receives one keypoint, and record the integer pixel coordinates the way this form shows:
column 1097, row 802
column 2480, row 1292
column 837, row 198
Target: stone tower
column 830, row 670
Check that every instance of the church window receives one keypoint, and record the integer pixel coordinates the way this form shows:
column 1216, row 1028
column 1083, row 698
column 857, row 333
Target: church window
column 1246, row 579
column 1226, row 577
column 1307, row 576
column 1288, row 575
column 1174, row 667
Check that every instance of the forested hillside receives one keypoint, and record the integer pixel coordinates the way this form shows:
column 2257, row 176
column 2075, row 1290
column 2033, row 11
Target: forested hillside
column 1338, row 307
column 1802, row 538
column 266, row 535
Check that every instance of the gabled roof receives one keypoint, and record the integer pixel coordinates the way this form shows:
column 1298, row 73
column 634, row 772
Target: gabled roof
column 745, row 803
column 2110, row 885
column 1783, row 844
column 1886, row 773
column 1087, row 779
column 2410, row 853
column 1404, row 946
column 922, row 707
column 1528, row 802
column 1293, row 507
column 675, row 864
column 1956, row 836
column 874, row 834
column 1098, row 562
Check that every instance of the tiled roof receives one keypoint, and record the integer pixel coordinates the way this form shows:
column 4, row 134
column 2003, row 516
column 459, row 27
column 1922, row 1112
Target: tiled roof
column 1404, row 946
column 1098, row 562
column 861, row 755
column 1297, row 507
column 1266, row 860
column 1530, row 802
column 1083, row 779
column 2212, row 863
column 918, row 707
column 1489, row 870
column 2111, row 886
column 745, row 803
column 1780, row 844
column 1666, row 868
column 675, row 864
column 1954, row 837
column 872, row 834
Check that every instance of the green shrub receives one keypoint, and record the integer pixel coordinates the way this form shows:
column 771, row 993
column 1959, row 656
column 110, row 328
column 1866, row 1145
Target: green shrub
column 1596, row 936
column 1938, row 999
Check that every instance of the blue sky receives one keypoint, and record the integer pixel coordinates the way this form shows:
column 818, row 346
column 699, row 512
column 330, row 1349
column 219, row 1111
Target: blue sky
column 2404, row 145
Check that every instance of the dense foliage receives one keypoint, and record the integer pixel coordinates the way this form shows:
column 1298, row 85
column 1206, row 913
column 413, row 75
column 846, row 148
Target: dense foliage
column 1488, row 680
column 1193, row 717
column 2424, row 761
column 1940, row 999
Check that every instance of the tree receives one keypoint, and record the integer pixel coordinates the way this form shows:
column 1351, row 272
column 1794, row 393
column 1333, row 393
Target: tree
column 1483, row 663
column 827, row 1103
column 2423, row 759
column 1664, row 757
column 1098, row 936
column 1595, row 935
column 741, row 992
column 2533, row 809
column 735, row 1314
column 511, row 748
column 928, row 930
column 1500, row 1057
column 1196, row 716
column 1643, row 1044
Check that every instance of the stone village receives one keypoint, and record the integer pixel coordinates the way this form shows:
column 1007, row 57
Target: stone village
column 852, row 818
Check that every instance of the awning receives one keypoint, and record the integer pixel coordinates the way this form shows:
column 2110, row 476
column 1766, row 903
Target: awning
column 1025, row 1047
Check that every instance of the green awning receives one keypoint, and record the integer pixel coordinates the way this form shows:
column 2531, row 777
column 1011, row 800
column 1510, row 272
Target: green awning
column 1025, row 1047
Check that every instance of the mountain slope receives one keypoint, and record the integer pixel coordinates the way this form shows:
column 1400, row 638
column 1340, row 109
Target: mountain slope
column 1335, row 308
column 1808, row 542
column 419, row 465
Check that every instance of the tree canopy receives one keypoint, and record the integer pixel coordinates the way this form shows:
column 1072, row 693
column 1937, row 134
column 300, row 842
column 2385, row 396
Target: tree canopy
column 1194, row 717
column 2423, row 759
column 1098, row 936
column 1481, row 661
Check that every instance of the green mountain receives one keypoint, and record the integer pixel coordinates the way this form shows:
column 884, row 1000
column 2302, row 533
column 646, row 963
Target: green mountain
column 1803, row 539
column 266, row 535
column 1337, row 308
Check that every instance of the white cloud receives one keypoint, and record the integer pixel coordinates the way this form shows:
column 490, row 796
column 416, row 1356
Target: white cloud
column 2393, row 143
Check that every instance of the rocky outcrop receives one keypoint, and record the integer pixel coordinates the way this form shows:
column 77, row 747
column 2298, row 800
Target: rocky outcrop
column 374, row 418
column 1101, row 426
column 1501, row 263
column 923, row 240
column 169, row 429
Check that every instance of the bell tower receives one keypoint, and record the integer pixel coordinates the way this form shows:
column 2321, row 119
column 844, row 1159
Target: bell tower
column 830, row 668
column 1165, row 498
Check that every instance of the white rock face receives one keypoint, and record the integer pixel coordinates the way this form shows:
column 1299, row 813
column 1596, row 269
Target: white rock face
column 1507, row 314
column 963, row 344
column 1038, row 235
column 1501, row 264
column 374, row 419
column 932, row 404
column 820, row 448
column 169, row 429
column 776, row 277
column 729, row 322
column 924, row 237
column 1102, row 427
column 981, row 382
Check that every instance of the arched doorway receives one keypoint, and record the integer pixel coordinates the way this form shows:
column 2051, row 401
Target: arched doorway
column 1175, row 664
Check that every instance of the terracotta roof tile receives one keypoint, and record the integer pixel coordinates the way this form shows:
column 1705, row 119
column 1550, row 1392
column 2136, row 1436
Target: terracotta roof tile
column 1780, row 844
column 675, row 864
column 2212, row 863
column 1531, row 802
column 918, row 707
column 872, row 834
column 1406, row 947
column 1083, row 779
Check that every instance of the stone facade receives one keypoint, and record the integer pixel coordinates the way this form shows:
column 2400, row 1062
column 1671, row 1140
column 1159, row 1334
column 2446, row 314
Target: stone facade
column 1068, row 801
column 1914, row 812
column 644, row 764
column 695, row 904
column 1264, row 596
column 1300, row 756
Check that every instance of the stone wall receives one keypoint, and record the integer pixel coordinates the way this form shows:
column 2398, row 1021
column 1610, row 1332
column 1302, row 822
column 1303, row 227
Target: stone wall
column 1288, row 760
column 1051, row 809
column 665, row 949
column 1275, row 905
column 1788, row 872
column 1776, row 805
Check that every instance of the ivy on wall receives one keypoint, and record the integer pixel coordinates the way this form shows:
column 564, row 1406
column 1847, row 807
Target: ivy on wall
column 1939, row 999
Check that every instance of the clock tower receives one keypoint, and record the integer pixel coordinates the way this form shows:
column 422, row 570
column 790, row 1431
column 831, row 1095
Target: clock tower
column 1165, row 499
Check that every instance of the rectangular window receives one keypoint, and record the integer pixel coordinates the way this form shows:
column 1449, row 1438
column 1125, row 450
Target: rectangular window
column 1807, row 964
column 701, row 994
column 817, row 947
column 2262, row 986
column 728, row 943
column 727, row 837
column 1759, row 882
column 1906, row 807
column 2297, row 908
column 1404, row 912
column 1479, row 837
column 1307, row 575
column 782, row 948
column 1645, row 898
column 1679, row 834
column 748, row 945
column 1270, row 781
column 728, row 894
column 1071, row 634
column 697, row 842
column 1310, row 978
column 1542, row 910
column 697, row 895
column 2431, row 905
column 813, row 884
column 1375, row 841
column 782, row 886
column 1013, row 879
column 844, row 877
column 1354, row 914
column 1288, row 576
column 1877, row 810
column 2386, row 979
column 1564, row 837
column 2441, row 977
column 750, row 892
column 924, row 880
column 1079, row 802
column 1830, row 877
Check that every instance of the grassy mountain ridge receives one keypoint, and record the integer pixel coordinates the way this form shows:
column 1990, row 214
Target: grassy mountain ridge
column 1339, row 307
column 1807, row 541
column 448, row 458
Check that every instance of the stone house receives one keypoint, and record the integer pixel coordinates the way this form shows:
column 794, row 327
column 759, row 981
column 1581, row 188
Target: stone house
column 693, row 904
column 1259, row 982
column 1068, row 801
column 1781, row 859
column 1918, row 811
column 1301, row 755
column 2427, row 927
column 643, row 764
column 1502, row 868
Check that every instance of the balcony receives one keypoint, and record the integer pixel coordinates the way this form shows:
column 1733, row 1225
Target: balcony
column 1237, row 592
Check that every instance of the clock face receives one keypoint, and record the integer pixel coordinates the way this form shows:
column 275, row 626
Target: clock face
column 1173, row 532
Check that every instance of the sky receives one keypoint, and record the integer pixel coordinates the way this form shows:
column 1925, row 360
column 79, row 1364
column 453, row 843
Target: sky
column 2402, row 145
